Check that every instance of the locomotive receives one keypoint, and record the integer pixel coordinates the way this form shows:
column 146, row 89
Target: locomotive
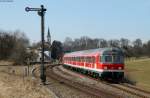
column 106, row 63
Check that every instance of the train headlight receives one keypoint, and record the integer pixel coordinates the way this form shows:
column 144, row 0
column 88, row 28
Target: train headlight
column 120, row 68
column 105, row 67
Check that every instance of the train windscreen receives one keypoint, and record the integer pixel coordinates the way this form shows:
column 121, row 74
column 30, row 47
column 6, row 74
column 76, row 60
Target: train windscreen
column 111, row 59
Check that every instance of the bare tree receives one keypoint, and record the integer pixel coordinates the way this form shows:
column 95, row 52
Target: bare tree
column 68, row 44
column 114, row 43
column 137, row 47
column 13, row 46
column 102, row 43
column 124, row 43
column 56, row 50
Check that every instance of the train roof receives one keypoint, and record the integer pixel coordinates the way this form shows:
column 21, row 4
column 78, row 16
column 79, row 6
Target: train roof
column 94, row 52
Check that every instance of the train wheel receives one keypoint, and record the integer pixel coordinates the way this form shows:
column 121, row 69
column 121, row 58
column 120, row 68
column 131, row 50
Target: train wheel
column 86, row 72
column 96, row 75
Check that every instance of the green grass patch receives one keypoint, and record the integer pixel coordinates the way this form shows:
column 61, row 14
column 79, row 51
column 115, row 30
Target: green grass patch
column 139, row 70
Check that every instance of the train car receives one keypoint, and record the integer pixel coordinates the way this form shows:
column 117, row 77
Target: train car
column 106, row 63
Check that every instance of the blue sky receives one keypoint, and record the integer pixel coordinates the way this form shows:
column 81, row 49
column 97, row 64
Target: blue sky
column 108, row 19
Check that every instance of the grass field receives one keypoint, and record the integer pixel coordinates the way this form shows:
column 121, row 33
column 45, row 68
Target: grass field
column 15, row 84
column 139, row 70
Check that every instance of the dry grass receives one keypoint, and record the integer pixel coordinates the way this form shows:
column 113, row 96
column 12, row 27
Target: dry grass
column 18, row 86
column 6, row 62
column 139, row 71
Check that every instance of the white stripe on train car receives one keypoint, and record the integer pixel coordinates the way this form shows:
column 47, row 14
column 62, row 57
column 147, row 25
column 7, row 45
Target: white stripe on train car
column 94, row 69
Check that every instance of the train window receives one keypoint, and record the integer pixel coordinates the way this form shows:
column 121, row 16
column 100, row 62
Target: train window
column 111, row 59
column 93, row 60
column 76, row 58
column 79, row 59
column 84, row 60
column 70, row 58
column 89, row 59
column 117, row 59
column 108, row 58
column 121, row 59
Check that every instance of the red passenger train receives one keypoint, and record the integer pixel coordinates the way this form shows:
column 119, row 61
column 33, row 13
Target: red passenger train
column 106, row 63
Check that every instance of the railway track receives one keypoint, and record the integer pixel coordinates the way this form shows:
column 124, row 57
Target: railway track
column 55, row 73
column 136, row 88
column 127, row 88
column 131, row 90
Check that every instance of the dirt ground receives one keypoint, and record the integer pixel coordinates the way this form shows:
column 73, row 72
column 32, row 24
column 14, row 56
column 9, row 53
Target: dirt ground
column 16, row 85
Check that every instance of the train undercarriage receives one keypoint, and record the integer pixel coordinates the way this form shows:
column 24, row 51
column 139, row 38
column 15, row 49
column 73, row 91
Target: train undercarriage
column 102, row 75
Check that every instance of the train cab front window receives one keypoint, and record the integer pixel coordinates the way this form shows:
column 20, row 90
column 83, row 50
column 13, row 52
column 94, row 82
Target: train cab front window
column 111, row 59
column 116, row 59
column 108, row 59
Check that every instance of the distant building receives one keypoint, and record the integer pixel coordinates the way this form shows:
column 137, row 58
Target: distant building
column 49, row 38
column 47, row 49
column 49, row 42
column 47, row 57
